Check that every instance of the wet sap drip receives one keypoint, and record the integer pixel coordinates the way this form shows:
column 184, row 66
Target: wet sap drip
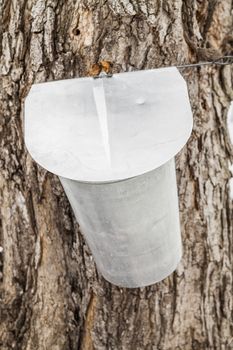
column 100, row 102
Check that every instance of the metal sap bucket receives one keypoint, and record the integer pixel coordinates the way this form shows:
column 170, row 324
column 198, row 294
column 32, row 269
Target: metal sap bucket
column 112, row 142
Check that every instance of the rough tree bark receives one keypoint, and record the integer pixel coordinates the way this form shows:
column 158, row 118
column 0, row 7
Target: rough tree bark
column 52, row 298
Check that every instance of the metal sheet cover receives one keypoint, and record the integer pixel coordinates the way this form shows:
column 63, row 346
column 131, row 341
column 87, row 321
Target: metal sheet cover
column 108, row 129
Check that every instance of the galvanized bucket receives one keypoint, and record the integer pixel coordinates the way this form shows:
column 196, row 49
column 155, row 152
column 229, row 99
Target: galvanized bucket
column 112, row 142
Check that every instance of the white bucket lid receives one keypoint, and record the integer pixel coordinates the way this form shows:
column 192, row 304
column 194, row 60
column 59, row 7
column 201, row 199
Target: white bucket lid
column 108, row 129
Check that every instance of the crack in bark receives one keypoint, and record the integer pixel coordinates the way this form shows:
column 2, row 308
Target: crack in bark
column 87, row 342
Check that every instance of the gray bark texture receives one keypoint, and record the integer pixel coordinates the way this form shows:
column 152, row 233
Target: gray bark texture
column 52, row 297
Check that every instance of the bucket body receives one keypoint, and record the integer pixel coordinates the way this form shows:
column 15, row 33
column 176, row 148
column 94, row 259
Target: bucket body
column 112, row 142
column 131, row 226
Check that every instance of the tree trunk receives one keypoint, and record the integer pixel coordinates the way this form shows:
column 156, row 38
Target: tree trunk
column 52, row 298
